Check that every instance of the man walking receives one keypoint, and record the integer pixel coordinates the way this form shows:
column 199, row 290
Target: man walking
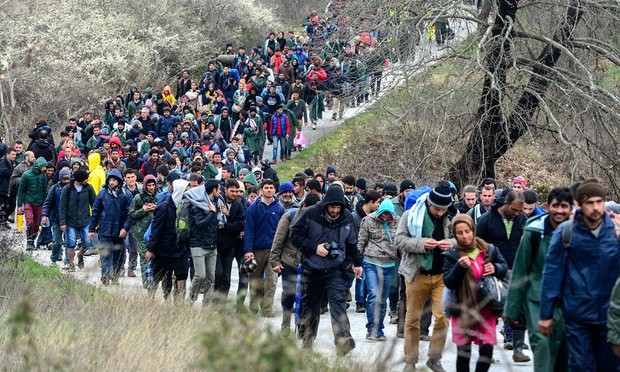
column 30, row 197
column 141, row 214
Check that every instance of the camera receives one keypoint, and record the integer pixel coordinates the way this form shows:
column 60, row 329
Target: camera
column 332, row 249
column 248, row 265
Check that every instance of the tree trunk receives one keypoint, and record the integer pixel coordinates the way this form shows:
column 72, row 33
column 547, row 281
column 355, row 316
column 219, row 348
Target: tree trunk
column 496, row 133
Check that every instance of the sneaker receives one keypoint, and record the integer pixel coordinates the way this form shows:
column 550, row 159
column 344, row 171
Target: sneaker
column 105, row 280
column 71, row 268
column 409, row 367
column 91, row 252
column 66, row 267
column 518, row 357
column 525, row 346
column 360, row 309
column 313, row 126
column 334, row 116
column 273, row 161
column 393, row 317
column 435, row 365
column 425, row 338
column 30, row 247
column 508, row 345
column 50, row 246
column 347, row 296
column 131, row 273
column 371, row 337
column 344, row 345
column 114, row 280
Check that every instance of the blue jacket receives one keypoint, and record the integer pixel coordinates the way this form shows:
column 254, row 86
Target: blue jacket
column 164, row 125
column 51, row 206
column 261, row 221
column 109, row 211
column 581, row 276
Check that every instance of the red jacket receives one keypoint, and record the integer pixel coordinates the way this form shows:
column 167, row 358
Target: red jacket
column 318, row 72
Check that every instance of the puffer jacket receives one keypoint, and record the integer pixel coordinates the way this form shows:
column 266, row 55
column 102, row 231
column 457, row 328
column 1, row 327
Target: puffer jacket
column 581, row 275
column 33, row 185
column 140, row 218
column 6, row 170
column 109, row 210
column 376, row 238
column 75, row 207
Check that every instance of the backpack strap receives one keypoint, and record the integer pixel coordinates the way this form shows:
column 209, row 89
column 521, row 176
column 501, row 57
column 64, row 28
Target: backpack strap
column 567, row 233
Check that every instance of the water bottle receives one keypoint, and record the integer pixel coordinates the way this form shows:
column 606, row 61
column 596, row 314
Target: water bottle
column 149, row 275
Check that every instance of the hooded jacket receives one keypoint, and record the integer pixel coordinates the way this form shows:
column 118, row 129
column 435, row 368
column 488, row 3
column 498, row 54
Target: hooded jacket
column 376, row 238
column 75, row 206
column 110, row 208
column 316, row 227
column 140, row 218
column 52, row 203
column 33, row 185
column 6, row 170
column 203, row 222
column 96, row 177
column 163, row 238
column 228, row 237
column 43, row 148
column 251, row 178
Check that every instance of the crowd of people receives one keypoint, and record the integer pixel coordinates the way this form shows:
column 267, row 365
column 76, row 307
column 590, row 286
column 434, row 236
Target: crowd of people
column 173, row 187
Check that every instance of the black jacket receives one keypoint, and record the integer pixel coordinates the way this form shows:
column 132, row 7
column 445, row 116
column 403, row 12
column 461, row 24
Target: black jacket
column 490, row 227
column 314, row 228
column 6, row 170
column 74, row 207
column 163, row 238
column 43, row 148
column 229, row 236
column 203, row 222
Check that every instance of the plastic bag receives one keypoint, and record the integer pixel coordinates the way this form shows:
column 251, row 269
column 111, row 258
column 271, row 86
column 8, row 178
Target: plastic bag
column 300, row 140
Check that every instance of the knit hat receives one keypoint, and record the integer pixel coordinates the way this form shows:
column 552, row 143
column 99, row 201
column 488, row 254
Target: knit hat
column 589, row 189
column 406, row 185
column 152, row 133
column 210, row 185
column 360, row 183
column 80, row 175
column 286, row 187
column 64, row 173
column 330, row 169
column 173, row 176
column 440, row 197
column 243, row 172
column 520, row 180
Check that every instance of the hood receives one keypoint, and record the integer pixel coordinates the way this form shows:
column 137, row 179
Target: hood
column 116, row 140
column 167, row 88
column 334, row 195
column 149, row 177
column 178, row 187
column 250, row 178
column 198, row 197
column 386, row 206
column 116, row 174
column 40, row 162
column 134, row 85
column 94, row 161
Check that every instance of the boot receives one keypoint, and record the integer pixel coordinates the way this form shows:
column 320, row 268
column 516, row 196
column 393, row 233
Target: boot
column 286, row 321
column 81, row 258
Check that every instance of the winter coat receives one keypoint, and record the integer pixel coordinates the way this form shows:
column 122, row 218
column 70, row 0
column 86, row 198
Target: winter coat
column 109, row 210
column 6, row 170
column 96, row 177
column 313, row 228
column 376, row 238
column 279, row 125
column 203, row 222
column 74, row 206
column 228, row 237
column 140, row 218
column 165, row 125
column 33, row 185
column 43, row 148
column 261, row 221
column 51, row 206
column 299, row 109
column 581, row 275
column 613, row 316
column 412, row 249
column 283, row 252
column 163, row 238
column 490, row 227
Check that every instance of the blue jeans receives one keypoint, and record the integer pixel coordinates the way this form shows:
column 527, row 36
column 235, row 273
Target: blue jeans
column 56, row 242
column 72, row 234
column 279, row 141
column 378, row 283
column 360, row 291
column 289, row 287
column 110, row 250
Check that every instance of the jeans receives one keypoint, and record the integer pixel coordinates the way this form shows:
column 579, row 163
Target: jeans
column 56, row 242
column 378, row 283
column 204, row 275
column 421, row 287
column 130, row 250
column 110, row 248
column 223, row 269
column 361, row 291
column 279, row 141
column 289, row 287
column 71, row 235
column 45, row 236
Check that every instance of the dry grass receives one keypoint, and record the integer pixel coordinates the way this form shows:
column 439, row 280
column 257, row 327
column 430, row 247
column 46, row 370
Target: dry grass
column 54, row 322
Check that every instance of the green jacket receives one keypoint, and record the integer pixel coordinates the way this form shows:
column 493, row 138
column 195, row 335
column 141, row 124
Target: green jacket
column 613, row 316
column 141, row 218
column 33, row 185
column 295, row 126
column 527, row 271
column 210, row 172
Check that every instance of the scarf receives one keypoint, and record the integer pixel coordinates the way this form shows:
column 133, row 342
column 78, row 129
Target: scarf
column 420, row 225
column 467, row 291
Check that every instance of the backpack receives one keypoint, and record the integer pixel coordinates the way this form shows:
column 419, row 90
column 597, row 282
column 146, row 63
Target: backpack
column 182, row 223
column 412, row 196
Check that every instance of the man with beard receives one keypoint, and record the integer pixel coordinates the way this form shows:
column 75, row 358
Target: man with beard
column 549, row 352
column 7, row 165
column 141, row 213
column 487, row 196
column 286, row 195
column 580, row 269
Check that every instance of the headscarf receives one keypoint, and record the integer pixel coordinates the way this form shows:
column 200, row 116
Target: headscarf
column 467, row 291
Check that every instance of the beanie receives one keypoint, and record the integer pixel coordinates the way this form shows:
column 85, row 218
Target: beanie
column 589, row 189
column 520, row 180
column 80, row 175
column 440, row 197
column 286, row 187
column 64, row 173
column 210, row 185
column 330, row 169
column 360, row 183
column 406, row 185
